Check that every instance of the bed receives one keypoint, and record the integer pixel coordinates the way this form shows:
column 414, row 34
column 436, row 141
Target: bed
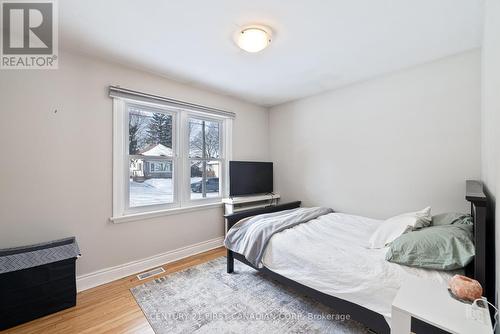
column 327, row 259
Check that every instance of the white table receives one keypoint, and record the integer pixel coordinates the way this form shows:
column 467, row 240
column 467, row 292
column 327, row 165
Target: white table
column 431, row 302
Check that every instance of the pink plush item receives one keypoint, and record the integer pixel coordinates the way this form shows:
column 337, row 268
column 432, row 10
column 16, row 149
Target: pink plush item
column 465, row 288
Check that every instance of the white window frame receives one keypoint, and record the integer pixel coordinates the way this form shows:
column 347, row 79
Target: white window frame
column 187, row 201
column 181, row 173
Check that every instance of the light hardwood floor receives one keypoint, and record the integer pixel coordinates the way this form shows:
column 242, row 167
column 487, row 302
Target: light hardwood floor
column 109, row 308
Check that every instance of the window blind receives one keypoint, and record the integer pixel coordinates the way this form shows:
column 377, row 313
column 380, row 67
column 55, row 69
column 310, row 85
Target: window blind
column 123, row 93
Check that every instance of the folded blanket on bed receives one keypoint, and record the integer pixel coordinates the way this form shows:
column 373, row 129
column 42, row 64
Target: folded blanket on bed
column 250, row 236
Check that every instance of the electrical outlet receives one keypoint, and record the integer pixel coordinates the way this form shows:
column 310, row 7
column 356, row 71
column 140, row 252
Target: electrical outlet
column 478, row 312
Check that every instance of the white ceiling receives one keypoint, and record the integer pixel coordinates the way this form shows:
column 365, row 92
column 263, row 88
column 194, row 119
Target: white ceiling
column 317, row 44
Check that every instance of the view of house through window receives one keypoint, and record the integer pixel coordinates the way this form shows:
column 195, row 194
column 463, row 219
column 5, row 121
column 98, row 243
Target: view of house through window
column 150, row 158
column 159, row 169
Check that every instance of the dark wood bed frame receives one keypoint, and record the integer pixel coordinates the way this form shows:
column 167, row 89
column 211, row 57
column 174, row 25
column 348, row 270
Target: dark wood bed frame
column 482, row 268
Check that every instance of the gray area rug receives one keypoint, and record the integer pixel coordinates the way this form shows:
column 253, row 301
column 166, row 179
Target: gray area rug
column 205, row 299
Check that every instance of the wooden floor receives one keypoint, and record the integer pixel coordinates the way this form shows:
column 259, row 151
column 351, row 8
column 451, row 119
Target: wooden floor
column 108, row 308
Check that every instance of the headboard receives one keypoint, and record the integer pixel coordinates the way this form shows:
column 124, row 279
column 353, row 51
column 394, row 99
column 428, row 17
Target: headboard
column 483, row 266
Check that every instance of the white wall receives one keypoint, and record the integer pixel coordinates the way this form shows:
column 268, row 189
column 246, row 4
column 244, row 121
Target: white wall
column 491, row 97
column 56, row 174
column 385, row 146
column 491, row 109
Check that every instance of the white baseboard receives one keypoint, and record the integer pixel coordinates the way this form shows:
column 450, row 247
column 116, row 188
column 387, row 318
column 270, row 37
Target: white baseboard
column 110, row 274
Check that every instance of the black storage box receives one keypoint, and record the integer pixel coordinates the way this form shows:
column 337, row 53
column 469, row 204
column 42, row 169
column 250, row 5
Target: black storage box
column 37, row 280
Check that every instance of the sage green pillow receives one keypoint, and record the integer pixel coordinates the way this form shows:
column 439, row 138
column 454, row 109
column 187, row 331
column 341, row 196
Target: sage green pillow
column 443, row 247
column 451, row 218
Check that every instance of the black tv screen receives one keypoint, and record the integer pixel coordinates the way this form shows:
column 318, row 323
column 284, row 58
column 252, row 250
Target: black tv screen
column 250, row 177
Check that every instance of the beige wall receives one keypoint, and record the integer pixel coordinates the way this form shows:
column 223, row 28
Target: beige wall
column 56, row 175
column 342, row 149
column 385, row 146
column 491, row 111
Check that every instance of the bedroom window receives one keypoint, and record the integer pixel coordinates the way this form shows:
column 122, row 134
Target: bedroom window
column 151, row 157
column 167, row 159
column 205, row 159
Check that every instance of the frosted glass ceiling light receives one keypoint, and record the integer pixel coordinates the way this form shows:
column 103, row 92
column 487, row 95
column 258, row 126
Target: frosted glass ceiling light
column 254, row 39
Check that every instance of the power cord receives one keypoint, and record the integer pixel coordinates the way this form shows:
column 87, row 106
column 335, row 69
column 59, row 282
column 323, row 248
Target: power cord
column 495, row 317
column 271, row 203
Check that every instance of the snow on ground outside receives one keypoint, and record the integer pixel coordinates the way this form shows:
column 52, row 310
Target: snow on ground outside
column 158, row 191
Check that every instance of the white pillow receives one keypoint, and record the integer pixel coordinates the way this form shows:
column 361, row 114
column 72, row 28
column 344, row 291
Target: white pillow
column 393, row 227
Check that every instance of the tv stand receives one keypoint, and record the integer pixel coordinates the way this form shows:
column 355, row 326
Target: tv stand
column 241, row 203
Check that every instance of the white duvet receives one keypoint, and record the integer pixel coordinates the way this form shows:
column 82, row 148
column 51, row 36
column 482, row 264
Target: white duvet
column 329, row 254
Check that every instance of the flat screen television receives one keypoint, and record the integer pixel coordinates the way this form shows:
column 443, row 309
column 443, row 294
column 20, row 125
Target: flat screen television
column 250, row 177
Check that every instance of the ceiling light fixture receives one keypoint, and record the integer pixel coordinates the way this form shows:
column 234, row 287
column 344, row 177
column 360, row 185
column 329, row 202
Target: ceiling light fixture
column 254, row 38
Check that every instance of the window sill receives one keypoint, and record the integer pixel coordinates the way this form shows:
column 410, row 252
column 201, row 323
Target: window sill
column 161, row 213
